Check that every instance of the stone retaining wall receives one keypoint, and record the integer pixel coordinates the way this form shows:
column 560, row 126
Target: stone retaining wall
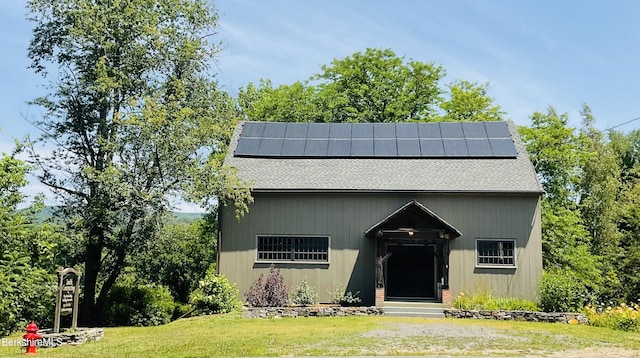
column 74, row 338
column 279, row 312
column 571, row 318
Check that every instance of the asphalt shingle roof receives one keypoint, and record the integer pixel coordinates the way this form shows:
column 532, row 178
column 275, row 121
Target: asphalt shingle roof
column 388, row 174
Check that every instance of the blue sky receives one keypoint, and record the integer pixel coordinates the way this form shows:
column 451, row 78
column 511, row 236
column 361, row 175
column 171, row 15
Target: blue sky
column 534, row 54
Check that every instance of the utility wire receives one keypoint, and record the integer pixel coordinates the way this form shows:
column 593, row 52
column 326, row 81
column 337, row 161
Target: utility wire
column 621, row 124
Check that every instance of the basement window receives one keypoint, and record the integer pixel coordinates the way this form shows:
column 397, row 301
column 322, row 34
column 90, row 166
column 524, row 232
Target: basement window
column 293, row 248
column 495, row 253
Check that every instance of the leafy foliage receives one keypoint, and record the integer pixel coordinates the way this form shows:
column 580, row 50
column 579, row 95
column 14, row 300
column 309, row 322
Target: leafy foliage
column 215, row 294
column 270, row 293
column 134, row 118
column 470, row 102
column 623, row 317
column 303, row 294
column 553, row 147
column 178, row 257
column 561, row 291
column 484, row 300
column 28, row 254
column 135, row 304
column 340, row 295
column 371, row 86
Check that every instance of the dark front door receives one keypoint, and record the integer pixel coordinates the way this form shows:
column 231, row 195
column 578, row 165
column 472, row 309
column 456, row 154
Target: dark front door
column 410, row 272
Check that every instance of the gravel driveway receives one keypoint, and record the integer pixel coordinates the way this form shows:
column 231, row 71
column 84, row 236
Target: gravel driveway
column 448, row 339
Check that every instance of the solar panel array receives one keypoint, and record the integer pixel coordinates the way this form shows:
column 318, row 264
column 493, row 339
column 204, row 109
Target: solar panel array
column 376, row 140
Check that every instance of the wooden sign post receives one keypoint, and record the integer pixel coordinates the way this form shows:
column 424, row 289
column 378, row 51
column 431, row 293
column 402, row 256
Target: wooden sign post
column 67, row 299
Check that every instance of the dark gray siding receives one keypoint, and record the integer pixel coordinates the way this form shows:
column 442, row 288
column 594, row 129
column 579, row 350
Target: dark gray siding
column 345, row 216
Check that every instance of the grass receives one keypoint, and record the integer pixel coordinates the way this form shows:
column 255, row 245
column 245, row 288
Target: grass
column 232, row 336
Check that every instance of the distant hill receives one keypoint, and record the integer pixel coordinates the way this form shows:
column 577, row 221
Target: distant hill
column 180, row 216
column 47, row 213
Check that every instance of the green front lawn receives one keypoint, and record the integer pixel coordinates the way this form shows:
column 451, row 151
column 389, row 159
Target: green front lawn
column 230, row 335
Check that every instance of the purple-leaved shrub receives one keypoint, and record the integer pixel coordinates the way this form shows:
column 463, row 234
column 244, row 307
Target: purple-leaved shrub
column 270, row 293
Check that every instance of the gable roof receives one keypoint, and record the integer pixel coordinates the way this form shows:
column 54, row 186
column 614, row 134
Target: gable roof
column 414, row 216
column 424, row 173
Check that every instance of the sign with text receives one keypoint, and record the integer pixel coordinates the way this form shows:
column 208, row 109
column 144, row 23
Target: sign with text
column 67, row 299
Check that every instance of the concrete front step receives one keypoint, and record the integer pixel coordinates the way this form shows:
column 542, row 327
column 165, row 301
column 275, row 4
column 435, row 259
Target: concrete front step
column 414, row 309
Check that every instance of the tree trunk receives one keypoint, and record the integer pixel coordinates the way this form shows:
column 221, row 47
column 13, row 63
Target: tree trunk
column 89, row 316
column 106, row 286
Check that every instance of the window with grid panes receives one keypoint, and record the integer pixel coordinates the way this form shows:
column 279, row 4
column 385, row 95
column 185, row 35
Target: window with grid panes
column 293, row 248
column 496, row 253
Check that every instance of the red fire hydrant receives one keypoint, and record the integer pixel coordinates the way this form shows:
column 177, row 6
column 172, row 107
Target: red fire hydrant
column 31, row 336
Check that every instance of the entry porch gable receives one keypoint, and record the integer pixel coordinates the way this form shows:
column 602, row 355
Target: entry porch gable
column 419, row 239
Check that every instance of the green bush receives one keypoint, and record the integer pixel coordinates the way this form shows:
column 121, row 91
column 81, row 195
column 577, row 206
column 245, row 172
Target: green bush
column 26, row 294
column 215, row 294
column 561, row 291
column 130, row 304
column 304, row 294
column 342, row 297
column 179, row 256
column 182, row 310
column 484, row 300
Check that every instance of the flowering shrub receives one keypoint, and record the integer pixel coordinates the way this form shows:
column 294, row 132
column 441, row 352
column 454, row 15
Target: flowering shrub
column 622, row 317
column 215, row 294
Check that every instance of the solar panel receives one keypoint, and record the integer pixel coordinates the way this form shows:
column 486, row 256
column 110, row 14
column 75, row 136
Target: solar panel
column 429, row 130
column 474, row 130
column 253, row 129
column 293, row 147
column 316, row 148
column 296, row 130
column 340, row 130
column 408, row 147
column 274, row 130
column 270, row 146
column 479, row 147
column 503, row 147
column 455, row 148
column 362, row 147
column 344, row 140
column 247, row 146
column 451, row 130
column 385, row 148
column 431, row 147
column 384, row 130
column 318, row 130
column 497, row 129
column 362, row 130
column 407, row 130
column 339, row 148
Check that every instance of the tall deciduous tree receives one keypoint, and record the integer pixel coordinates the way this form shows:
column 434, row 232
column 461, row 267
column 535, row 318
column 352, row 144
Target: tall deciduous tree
column 553, row 147
column 599, row 189
column 371, row 86
column 556, row 151
column 134, row 118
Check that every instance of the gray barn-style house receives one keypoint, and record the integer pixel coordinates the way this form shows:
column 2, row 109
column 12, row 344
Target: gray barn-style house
column 394, row 211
